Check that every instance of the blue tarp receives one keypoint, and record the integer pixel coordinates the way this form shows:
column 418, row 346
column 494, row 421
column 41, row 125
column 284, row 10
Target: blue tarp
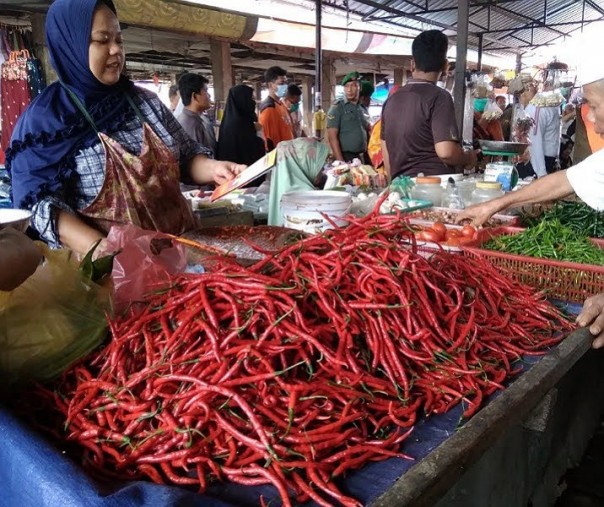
column 34, row 473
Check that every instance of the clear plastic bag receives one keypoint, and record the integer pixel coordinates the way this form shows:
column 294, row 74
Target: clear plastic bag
column 521, row 125
column 53, row 319
column 147, row 261
column 492, row 111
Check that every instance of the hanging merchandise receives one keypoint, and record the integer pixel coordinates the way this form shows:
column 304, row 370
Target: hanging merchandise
column 21, row 78
column 35, row 77
column 15, row 93
column 21, row 81
column 521, row 125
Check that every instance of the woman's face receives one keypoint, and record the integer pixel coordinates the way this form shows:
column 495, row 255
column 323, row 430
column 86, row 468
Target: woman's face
column 106, row 53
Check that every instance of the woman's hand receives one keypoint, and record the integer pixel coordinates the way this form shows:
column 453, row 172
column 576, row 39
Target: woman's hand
column 206, row 170
column 225, row 171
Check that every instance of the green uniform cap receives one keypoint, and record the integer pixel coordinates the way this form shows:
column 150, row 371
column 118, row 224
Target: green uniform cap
column 351, row 76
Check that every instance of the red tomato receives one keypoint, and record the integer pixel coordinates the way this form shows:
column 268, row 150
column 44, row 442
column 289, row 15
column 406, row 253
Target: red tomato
column 453, row 233
column 452, row 241
column 440, row 228
column 468, row 231
column 465, row 240
column 433, row 236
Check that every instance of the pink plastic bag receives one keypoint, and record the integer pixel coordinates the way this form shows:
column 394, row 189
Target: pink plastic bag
column 147, row 262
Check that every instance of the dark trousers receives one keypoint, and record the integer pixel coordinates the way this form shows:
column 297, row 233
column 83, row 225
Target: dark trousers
column 526, row 170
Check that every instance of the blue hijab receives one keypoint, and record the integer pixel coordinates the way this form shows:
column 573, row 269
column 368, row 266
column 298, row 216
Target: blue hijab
column 41, row 157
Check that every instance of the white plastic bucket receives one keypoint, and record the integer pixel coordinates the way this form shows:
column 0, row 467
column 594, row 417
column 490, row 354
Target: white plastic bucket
column 302, row 210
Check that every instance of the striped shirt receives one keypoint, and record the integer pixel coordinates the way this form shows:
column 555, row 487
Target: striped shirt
column 90, row 162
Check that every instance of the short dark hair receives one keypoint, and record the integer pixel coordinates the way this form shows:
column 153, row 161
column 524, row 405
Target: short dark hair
column 188, row 84
column 293, row 91
column 429, row 50
column 274, row 73
column 173, row 91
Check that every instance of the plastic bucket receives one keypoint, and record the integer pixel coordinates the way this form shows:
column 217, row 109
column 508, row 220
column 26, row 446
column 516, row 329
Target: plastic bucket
column 303, row 210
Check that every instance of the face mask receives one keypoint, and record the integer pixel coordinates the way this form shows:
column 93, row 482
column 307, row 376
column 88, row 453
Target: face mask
column 294, row 108
column 281, row 90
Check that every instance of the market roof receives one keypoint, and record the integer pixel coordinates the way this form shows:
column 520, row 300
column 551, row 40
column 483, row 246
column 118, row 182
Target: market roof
column 506, row 26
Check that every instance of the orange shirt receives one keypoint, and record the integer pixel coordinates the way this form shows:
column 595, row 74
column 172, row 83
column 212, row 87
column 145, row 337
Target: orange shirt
column 276, row 122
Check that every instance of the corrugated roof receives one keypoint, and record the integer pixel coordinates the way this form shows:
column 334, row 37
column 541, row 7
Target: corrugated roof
column 507, row 26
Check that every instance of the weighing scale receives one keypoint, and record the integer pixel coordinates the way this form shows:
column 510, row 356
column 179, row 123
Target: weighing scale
column 504, row 149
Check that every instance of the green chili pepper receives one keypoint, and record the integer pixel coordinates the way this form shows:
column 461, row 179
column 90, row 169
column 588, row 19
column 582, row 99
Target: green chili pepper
column 550, row 240
column 578, row 216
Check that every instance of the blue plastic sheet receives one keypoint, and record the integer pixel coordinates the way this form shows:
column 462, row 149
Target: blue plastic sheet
column 34, row 473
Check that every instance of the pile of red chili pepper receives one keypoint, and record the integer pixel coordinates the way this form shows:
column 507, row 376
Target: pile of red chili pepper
column 311, row 363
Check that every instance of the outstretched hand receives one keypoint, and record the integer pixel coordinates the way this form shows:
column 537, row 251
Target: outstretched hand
column 592, row 316
column 478, row 214
column 225, row 171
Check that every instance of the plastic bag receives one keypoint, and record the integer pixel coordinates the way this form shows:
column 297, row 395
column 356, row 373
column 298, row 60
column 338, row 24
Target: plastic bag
column 56, row 317
column 147, row 262
column 521, row 125
column 492, row 111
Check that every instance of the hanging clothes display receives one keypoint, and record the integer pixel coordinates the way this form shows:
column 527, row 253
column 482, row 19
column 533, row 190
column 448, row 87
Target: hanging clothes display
column 21, row 79
column 15, row 94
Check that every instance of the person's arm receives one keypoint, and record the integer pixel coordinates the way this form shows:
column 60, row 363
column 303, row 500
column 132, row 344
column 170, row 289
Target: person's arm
column 549, row 188
column 386, row 157
column 75, row 234
column 334, row 143
column 19, row 258
column 196, row 162
column 452, row 154
column 333, row 131
column 268, row 120
column 569, row 116
column 204, row 170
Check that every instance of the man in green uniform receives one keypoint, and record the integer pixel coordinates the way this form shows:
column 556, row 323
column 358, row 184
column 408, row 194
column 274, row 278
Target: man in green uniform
column 346, row 123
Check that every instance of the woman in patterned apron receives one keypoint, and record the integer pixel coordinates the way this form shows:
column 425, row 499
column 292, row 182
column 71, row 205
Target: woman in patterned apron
column 94, row 150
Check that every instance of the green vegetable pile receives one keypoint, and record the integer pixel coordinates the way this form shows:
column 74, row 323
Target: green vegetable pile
column 578, row 216
column 550, row 240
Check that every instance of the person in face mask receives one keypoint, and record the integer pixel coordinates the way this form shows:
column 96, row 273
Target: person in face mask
column 292, row 102
column 274, row 115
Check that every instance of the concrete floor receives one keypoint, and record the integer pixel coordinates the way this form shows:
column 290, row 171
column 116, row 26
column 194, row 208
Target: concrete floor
column 584, row 484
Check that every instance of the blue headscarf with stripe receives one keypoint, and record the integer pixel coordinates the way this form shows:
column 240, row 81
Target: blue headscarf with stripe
column 41, row 156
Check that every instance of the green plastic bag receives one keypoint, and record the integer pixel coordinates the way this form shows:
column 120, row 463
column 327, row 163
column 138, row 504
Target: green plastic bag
column 56, row 317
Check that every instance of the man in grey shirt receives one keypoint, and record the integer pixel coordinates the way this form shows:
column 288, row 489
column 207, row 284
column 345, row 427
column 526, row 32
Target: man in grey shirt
column 194, row 94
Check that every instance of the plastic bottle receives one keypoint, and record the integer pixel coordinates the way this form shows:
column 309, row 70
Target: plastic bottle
column 451, row 197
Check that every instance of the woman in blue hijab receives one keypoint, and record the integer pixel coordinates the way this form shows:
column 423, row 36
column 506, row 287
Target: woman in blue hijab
column 59, row 155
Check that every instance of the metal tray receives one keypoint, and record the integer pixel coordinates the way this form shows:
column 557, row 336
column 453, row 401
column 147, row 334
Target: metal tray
column 502, row 147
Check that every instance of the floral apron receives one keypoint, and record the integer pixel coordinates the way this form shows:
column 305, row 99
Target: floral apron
column 143, row 190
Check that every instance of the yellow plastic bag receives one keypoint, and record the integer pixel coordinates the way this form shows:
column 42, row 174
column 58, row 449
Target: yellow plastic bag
column 54, row 318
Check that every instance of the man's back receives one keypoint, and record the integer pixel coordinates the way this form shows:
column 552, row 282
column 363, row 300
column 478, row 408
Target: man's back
column 414, row 119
